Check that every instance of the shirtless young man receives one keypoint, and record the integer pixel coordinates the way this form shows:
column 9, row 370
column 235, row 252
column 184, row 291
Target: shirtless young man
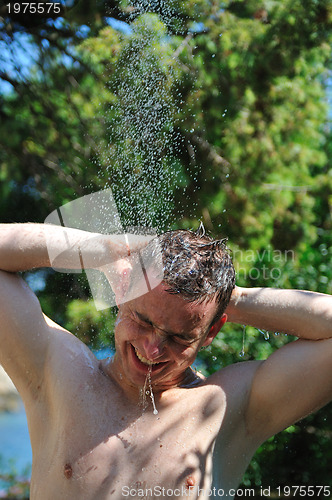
column 90, row 438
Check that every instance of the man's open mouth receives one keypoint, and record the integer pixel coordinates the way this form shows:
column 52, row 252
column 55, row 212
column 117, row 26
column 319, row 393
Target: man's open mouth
column 147, row 362
column 144, row 360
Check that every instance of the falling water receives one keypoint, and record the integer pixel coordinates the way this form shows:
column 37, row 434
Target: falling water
column 265, row 333
column 140, row 165
column 243, row 340
column 150, row 392
column 147, row 391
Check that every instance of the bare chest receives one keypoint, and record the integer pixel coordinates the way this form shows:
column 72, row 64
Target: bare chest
column 117, row 453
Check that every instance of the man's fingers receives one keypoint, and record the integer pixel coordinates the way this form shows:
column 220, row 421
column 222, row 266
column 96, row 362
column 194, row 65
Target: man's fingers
column 136, row 241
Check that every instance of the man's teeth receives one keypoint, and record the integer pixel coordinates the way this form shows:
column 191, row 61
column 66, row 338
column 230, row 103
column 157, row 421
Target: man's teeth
column 143, row 359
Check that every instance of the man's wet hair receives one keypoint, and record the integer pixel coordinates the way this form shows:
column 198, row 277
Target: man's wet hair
column 197, row 267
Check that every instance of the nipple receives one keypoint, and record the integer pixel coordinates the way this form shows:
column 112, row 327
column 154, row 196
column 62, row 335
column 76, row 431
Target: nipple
column 68, row 471
column 190, row 482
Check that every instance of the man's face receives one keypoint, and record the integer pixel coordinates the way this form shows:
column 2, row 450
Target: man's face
column 161, row 332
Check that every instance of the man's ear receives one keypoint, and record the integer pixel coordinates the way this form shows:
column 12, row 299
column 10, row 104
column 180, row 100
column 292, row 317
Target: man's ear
column 215, row 328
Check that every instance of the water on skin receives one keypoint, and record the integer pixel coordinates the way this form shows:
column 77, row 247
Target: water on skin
column 143, row 402
column 155, row 411
column 147, row 391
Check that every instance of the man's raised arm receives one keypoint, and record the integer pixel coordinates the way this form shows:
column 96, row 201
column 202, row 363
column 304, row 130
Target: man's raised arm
column 26, row 335
column 297, row 378
column 29, row 246
column 301, row 313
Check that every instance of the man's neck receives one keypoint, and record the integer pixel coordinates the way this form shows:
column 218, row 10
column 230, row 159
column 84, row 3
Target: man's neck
column 110, row 368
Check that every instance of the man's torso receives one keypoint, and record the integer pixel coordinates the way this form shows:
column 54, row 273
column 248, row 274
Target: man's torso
column 90, row 442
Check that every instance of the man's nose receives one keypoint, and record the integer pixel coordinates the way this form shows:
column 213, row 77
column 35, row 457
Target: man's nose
column 153, row 345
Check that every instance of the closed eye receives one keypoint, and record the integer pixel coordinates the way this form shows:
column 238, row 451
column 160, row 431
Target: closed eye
column 142, row 320
column 182, row 339
column 179, row 339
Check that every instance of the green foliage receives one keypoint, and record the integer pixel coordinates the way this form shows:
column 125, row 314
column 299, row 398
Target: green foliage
column 93, row 327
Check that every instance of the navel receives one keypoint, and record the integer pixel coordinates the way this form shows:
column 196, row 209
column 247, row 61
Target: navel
column 68, row 471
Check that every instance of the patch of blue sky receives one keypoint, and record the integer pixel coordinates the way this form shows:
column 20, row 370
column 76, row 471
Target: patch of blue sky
column 197, row 27
column 328, row 85
column 119, row 25
column 56, row 23
column 82, row 31
column 37, row 280
column 5, row 87
column 68, row 3
column 17, row 56
column 104, row 352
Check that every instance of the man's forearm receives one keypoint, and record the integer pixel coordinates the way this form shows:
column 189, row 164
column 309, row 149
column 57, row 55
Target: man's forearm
column 28, row 246
column 301, row 313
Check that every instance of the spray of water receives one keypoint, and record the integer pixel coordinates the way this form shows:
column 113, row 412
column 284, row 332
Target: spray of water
column 141, row 169
column 167, row 10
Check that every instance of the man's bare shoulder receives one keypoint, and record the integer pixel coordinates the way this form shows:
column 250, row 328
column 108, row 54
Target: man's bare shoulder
column 235, row 374
column 68, row 364
column 70, row 367
column 68, row 358
column 235, row 381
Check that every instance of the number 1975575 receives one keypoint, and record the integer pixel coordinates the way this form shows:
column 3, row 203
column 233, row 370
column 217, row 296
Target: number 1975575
column 34, row 8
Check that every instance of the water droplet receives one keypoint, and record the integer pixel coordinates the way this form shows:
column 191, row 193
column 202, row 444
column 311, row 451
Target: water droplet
column 264, row 333
column 148, row 392
column 243, row 340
